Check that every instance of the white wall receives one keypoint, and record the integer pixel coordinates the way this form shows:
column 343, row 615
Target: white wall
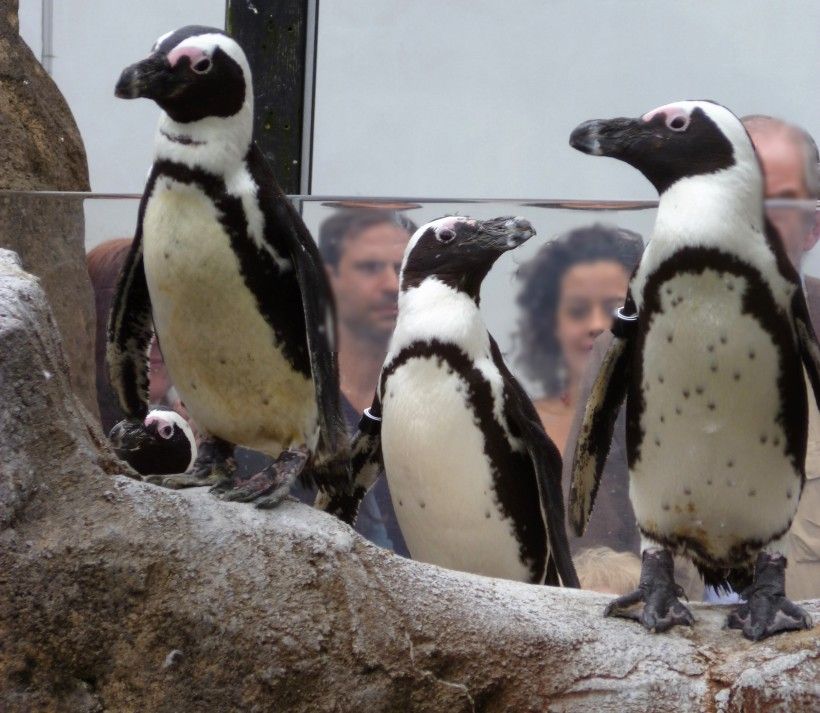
column 478, row 97
column 461, row 97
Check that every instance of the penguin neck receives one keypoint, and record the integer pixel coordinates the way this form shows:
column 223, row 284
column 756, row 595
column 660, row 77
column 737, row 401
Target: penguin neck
column 703, row 209
column 435, row 310
column 214, row 144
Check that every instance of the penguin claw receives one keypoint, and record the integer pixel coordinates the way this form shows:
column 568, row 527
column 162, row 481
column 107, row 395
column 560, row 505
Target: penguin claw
column 659, row 594
column 766, row 610
column 270, row 486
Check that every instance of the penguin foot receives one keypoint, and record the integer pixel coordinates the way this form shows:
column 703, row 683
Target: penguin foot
column 658, row 593
column 766, row 610
column 214, row 465
column 272, row 485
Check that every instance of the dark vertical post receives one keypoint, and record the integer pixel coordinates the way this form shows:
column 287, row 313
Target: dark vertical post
column 273, row 34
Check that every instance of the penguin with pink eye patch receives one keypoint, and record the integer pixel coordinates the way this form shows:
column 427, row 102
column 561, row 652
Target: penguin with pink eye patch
column 226, row 274
column 709, row 354
column 474, row 478
column 161, row 444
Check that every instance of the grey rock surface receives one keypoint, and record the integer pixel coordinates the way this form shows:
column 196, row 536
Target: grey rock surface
column 116, row 595
column 41, row 150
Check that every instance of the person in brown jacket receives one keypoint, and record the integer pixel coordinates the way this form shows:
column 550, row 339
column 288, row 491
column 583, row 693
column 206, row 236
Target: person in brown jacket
column 789, row 158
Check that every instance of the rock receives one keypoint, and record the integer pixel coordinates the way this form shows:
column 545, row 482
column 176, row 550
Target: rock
column 117, row 595
column 42, row 151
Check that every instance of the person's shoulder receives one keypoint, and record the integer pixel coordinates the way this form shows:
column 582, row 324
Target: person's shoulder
column 812, row 289
column 550, row 408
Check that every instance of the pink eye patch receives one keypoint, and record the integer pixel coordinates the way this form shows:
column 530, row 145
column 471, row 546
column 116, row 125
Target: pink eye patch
column 194, row 54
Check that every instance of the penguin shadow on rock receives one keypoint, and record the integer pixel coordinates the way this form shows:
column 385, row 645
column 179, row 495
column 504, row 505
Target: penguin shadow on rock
column 473, row 476
column 225, row 272
column 708, row 351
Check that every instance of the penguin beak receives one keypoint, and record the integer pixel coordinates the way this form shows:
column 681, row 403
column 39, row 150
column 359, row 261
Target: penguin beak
column 128, row 436
column 150, row 78
column 609, row 137
column 505, row 233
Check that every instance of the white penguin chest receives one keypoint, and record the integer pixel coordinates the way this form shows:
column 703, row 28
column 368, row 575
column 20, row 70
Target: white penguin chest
column 221, row 353
column 713, row 465
column 441, row 480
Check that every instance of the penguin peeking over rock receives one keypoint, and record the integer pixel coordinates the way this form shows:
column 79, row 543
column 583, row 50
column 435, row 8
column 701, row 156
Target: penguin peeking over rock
column 709, row 353
column 162, row 444
column 225, row 272
column 474, row 478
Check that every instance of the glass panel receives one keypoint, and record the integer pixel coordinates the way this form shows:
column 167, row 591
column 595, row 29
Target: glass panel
column 108, row 216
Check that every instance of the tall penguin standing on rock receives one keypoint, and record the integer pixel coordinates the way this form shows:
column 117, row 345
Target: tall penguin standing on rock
column 225, row 271
column 475, row 480
column 709, row 352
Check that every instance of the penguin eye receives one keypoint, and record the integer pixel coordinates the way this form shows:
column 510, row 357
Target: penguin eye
column 166, row 431
column 446, row 235
column 203, row 66
column 678, row 123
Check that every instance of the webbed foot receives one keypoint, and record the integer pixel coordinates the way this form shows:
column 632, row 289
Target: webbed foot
column 766, row 610
column 214, row 465
column 658, row 593
column 272, row 485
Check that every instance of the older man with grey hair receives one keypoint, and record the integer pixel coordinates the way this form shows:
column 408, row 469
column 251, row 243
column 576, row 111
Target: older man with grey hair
column 791, row 171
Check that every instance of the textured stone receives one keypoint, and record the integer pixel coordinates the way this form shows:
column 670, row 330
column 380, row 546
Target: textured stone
column 42, row 150
column 116, row 595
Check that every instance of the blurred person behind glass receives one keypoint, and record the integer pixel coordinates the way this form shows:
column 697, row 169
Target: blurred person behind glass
column 570, row 290
column 104, row 263
column 790, row 161
column 363, row 250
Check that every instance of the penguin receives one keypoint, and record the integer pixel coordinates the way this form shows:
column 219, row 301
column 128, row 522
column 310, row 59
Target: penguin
column 225, row 271
column 160, row 445
column 474, row 478
column 709, row 351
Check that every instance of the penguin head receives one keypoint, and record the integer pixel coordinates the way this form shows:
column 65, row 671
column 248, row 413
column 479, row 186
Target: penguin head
column 161, row 444
column 460, row 251
column 192, row 73
column 673, row 142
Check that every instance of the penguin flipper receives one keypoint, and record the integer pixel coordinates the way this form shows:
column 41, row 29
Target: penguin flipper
column 331, row 460
column 595, row 437
column 130, row 326
column 807, row 341
column 546, row 462
column 366, row 463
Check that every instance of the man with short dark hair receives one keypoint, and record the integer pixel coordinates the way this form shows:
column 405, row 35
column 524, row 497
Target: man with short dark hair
column 363, row 250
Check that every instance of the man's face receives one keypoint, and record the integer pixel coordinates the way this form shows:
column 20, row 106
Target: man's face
column 366, row 280
column 783, row 169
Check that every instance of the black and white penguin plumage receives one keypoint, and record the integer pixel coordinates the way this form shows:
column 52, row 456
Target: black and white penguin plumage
column 709, row 353
column 225, row 271
column 475, row 480
column 160, row 445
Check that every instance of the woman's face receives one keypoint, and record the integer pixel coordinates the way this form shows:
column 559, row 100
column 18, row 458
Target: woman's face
column 590, row 293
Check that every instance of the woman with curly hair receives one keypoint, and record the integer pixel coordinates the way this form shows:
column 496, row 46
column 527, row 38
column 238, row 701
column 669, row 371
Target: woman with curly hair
column 571, row 288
